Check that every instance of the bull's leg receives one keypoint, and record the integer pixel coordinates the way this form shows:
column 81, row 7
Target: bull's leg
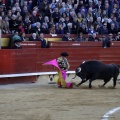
column 90, row 85
column 81, row 83
column 105, row 82
column 114, row 81
column 90, row 81
column 93, row 78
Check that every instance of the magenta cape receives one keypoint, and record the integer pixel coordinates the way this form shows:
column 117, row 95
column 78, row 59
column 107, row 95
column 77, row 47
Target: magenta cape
column 63, row 72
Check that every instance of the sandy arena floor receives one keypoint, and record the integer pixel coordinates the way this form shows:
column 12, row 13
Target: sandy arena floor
column 43, row 101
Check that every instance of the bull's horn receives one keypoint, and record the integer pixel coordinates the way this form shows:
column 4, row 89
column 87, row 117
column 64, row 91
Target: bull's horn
column 79, row 69
column 83, row 62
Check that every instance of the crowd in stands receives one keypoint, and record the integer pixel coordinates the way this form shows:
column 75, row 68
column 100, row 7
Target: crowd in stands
column 92, row 17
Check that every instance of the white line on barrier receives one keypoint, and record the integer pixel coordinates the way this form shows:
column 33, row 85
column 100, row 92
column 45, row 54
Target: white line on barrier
column 107, row 115
column 31, row 74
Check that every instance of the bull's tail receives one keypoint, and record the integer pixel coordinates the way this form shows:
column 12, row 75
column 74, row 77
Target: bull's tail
column 74, row 76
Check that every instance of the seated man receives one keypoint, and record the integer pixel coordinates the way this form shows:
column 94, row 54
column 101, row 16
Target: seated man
column 105, row 42
column 66, row 37
column 93, row 37
column 16, row 39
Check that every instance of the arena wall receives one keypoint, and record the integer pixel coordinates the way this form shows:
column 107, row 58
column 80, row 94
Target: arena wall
column 23, row 61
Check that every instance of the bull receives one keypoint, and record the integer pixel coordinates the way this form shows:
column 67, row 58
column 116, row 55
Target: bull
column 93, row 69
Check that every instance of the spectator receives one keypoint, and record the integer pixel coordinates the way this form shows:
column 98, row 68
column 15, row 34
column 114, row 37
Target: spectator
column 37, row 29
column 1, row 23
column 83, row 29
column 24, row 12
column 105, row 21
column 33, row 17
column 107, row 8
column 53, row 4
column 67, row 37
column 69, row 4
column 97, row 29
column 64, row 15
column 72, row 15
column 98, row 13
column 83, row 12
column 75, row 25
column 55, row 16
column 115, row 22
column 40, row 18
column 60, row 29
column 62, row 9
column 33, row 37
column 47, row 21
column 54, row 10
column 98, row 22
column 84, row 21
column 67, row 12
column 93, row 37
column 67, row 20
column 44, row 28
column 30, row 6
column 111, row 37
column 104, row 29
column 79, row 17
column 27, row 25
column 6, row 29
column 112, row 29
column 79, row 38
column 20, row 24
column 23, row 36
column 118, row 37
column 90, row 22
column 62, row 21
column 99, row 5
column 53, row 29
column 48, row 10
column 90, row 4
column 43, row 41
column 105, row 42
column 9, row 14
column 13, row 10
column 43, row 6
column 68, row 28
column 91, row 30
column 91, row 13
column 16, row 39
column 13, row 24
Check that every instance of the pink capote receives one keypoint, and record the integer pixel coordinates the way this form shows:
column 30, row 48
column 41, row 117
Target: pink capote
column 54, row 63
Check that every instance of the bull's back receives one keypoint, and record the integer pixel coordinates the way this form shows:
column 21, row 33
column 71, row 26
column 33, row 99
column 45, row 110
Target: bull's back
column 101, row 70
column 94, row 66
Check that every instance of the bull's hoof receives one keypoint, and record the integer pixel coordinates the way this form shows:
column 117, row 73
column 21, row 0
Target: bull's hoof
column 101, row 86
column 77, row 85
column 111, row 87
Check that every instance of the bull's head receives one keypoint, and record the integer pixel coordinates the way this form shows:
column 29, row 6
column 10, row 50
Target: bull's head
column 81, row 73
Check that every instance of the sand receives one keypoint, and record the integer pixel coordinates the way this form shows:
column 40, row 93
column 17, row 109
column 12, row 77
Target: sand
column 45, row 101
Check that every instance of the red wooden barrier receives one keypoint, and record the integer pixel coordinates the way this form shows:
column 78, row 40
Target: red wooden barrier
column 115, row 44
column 31, row 60
column 30, row 44
column 61, row 44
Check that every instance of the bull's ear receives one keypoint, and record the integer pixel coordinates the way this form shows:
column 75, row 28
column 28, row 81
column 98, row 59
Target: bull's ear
column 79, row 69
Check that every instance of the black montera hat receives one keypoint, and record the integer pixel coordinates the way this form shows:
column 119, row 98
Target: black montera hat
column 64, row 54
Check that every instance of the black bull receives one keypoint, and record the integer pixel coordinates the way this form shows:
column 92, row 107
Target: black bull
column 92, row 70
